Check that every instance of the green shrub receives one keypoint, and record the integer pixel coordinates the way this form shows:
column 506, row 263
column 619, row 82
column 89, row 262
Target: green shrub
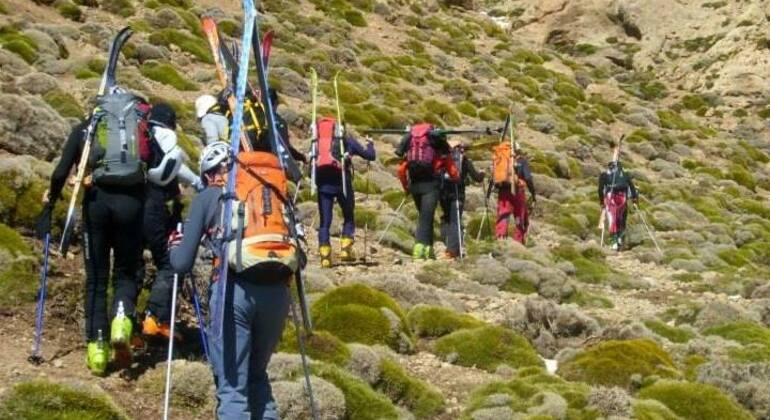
column 672, row 120
column 360, row 185
column 754, row 338
column 590, row 266
column 493, row 113
column 47, row 400
column 467, row 108
column 168, row 75
column 365, row 217
column 420, row 398
column 64, row 103
column 187, row 43
column 3, row 9
column 612, row 363
column 361, row 401
column 18, row 274
column 70, row 11
column 434, row 321
column 526, row 56
column 518, row 284
column 743, row 177
column 695, row 401
column 589, row 300
column 673, row 334
column 84, row 73
column 123, row 8
column 321, row 345
column 569, row 89
column 445, row 112
column 652, row 410
column 487, row 348
column 436, row 273
column 18, row 43
column 355, row 18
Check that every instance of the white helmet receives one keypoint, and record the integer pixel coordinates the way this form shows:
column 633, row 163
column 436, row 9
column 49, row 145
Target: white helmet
column 213, row 155
column 203, row 104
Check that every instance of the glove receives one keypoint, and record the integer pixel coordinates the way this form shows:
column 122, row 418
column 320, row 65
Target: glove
column 43, row 225
column 174, row 239
column 300, row 230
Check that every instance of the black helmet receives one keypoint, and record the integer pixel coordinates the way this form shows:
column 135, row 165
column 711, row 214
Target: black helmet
column 163, row 115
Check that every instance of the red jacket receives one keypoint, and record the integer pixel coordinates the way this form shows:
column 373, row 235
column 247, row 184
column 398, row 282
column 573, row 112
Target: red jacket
column 441, row 164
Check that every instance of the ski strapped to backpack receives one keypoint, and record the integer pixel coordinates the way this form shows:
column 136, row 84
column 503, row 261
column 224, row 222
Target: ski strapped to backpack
column 108, row 81
column 313, row 130
column 339, row 134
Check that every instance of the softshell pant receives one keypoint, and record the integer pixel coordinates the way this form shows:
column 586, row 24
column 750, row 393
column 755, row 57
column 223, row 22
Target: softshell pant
column 425, row 196
column 449, row 221
column 113, row 220
column 155, row 236
column 326, row 212
column 615, row 204
column 509, row 204
column 252, row 326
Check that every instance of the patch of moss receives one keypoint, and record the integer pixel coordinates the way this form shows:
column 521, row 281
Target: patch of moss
column 694, row 401
column 18, row 275
column 570, row 90
column 487, row 348
column 84, row 73
column 434, row 321
column 467, row 108
column 168, row 75
column 743, row 177
column 70, row 11
column 48, row 400
column 445, row 112
column 393, row 198
column 420, row 398
column 652, row 410
column 360, row 185
column 673, row 334
column 366, row 217
column 590, row 266
column 64, row 103
column 18, row 43
column 321, row 345
column 361, row 401
column 436, row 274
column 612, row 363
column 493, row 113
column 590, row 300
column 123, row 8
column 518, row 284
column 3, row 9
column 187, row 43
column 754, row 337
column 355, row 18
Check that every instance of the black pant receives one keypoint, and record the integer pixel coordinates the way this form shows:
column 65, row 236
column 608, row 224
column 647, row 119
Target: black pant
column 425, row 196
column 157, row 222
column 113, row 220
column 449, row 220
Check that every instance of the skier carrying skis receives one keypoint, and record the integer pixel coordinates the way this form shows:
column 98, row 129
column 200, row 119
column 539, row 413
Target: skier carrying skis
column 512, row 200
column 426, row 162
column 213, row 121
column 166, row 170
column 452, row 195
column 112, row 213
column 615, row 188
column 257, row 298
column 329, row 165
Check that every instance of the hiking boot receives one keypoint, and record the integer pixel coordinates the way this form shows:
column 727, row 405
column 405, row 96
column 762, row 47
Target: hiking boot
column 430, row 253
column 418, row 252
column 151, row 327
column 97, row 356
column 346, row 253
column 121, row 331
column 326, row 255
column 449, row 256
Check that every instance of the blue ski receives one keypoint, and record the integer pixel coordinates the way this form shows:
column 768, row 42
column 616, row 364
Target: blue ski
column 218, row 307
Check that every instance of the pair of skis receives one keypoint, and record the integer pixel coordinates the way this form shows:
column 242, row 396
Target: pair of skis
column 108, row 82
column 251, row 40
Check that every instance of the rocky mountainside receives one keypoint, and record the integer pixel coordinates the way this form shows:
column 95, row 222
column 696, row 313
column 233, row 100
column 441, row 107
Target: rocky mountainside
column 561, row 328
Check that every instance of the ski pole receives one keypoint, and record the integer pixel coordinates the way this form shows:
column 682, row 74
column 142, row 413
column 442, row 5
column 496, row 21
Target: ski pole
column 303, row 356
column 647, row 227
column 366, row 224
column 36, row 357
column 392, row 218
column 602, row 224
column 296, row 192
column 459, row 221
column 485, row 190
column 171, row 340
column 199, row 315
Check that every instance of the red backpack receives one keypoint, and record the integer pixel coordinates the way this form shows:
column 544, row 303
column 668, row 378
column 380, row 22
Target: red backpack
column 421, row 150
column 329, row 146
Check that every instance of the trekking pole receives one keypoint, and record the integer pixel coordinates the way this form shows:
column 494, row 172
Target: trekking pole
column 199, row 315
column 392, row 218
column 459, row 221
column 486, row 210
column 647, row 227
column 303, row 356
column 366, row 224
column 171, row 340
column 296, row 192
column 602, row 224
column 36, row 358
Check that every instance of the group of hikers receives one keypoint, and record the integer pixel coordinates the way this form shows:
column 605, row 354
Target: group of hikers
column 133, row 202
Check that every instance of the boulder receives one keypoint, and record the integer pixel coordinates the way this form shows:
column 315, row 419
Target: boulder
column 29, row 126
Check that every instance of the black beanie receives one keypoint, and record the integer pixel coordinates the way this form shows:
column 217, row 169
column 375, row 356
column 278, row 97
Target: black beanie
column 162, row 114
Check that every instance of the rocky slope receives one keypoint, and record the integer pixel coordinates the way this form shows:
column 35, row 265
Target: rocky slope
column 640, row 334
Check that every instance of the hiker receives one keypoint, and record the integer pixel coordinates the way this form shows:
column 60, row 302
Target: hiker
column 214, row 123
column 513, row 201
column 166, row 170
column 329, row 165
column 615, row 188
column 257, row 298
column 283, row 130
column 426, row 162
column 112, row 215
column 452, row 196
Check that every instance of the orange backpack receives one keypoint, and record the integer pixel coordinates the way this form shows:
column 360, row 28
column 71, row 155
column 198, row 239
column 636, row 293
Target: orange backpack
column 502, row 164
column 261, row 220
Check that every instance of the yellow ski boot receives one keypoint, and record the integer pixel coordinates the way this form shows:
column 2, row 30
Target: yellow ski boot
column 97, row 356
column 326, row 256
column 121, row 331
column 346, row 251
